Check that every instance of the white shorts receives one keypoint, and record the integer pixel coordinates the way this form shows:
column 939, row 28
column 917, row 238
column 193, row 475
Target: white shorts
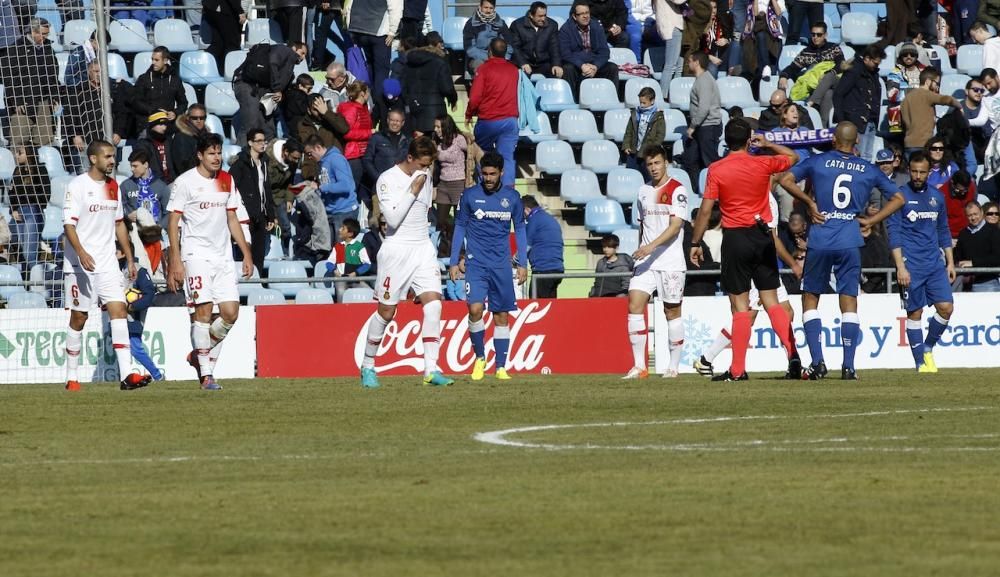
column 210, row 282
column 88, row 290
column 668, row 285
column 405, row 266
column 755, row 296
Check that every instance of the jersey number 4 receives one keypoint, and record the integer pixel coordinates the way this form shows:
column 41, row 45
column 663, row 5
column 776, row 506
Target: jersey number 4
column 841, row 192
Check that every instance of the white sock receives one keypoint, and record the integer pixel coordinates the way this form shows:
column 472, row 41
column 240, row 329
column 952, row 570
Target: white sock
column 722, row 342
column 430, row 334
column 119, row 339
column 218, row 331
column 675, row 332
column 376, row 330
column 74, row 340
column 478, row 327
column 637, row 338
column 201, row 340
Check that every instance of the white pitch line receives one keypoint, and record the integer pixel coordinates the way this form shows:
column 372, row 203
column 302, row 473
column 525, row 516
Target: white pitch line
column 165, row 460
column 500, row 437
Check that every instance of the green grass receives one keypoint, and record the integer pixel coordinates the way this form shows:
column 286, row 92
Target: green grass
column 323, row 478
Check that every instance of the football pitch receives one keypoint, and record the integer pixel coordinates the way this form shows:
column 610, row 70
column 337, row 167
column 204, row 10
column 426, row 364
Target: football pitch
column 897, row 474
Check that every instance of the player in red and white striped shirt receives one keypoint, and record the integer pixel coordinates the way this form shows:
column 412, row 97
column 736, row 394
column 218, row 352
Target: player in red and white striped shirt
column 203, row 214
column 92, row 219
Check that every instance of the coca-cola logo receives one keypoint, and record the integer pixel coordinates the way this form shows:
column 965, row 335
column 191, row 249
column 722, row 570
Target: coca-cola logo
column 402, row 345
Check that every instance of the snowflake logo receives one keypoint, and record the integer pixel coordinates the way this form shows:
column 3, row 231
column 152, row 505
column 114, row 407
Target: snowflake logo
column 697, row 337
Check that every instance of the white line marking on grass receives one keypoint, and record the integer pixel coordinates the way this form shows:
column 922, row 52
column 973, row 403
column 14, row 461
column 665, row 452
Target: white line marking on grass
column 166, row 460
column 501, row 437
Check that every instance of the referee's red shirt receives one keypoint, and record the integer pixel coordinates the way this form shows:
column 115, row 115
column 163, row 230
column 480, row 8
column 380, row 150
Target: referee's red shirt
column 740, row 183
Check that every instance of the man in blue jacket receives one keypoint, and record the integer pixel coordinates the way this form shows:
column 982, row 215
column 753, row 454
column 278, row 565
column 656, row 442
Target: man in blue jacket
column 584, row 49
column 545, row 247
column 335, row 183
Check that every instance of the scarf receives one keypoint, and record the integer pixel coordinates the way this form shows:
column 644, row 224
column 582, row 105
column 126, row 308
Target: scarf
column 643, row 116
column 484, row 18
column 147, row 198
column 155, row 253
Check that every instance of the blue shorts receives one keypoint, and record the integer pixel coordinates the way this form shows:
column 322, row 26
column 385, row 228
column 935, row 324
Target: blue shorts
column 927, row 288
column 845, row 264
column 491, row 285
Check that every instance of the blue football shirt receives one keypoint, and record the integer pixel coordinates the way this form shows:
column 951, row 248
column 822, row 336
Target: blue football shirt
column 842, row 184
column 482, row 226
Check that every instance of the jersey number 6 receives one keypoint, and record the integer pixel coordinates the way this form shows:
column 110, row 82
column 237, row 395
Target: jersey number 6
column 841, row 192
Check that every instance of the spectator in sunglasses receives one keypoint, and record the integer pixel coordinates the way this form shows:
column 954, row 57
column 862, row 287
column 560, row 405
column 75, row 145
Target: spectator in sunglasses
column 943, row 166
column 991, row 213
column 979, row 127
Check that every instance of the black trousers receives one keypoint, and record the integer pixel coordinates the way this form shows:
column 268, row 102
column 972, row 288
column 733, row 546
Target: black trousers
column 225, row 35
column 546, row 288
column 292, row 22
column 258, row 242
column 325, row 21
column 575, row 77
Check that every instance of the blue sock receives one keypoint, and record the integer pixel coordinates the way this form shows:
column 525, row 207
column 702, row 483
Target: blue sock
column 934, row 331
column 915, row 336
column 477, row 334
column 850, row 332
column 501, row 342
column 814, row 332
column 139, row 353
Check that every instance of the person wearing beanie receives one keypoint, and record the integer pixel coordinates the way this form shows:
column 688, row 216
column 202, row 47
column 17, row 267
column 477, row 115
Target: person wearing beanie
column 156, row 145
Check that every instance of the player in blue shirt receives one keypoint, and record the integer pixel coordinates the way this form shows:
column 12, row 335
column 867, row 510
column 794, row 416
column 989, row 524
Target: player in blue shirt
column 918, row 235
column 841, row 183
column 482, row 227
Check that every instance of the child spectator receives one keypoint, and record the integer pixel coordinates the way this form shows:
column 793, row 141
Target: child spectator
column 645, row 127
column 349, row 257
column 295, row 104
column 612, row 262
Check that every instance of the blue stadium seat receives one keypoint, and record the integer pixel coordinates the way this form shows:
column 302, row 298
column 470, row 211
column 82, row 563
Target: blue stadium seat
column 245, row 288
column 129, row 36
column 735, row 91
column 603, row 216
column 888, row 63
column 833, row 33
column 544, row 130
column 313, row 296
column 634, row 85
column 954, row 84
column 214, row 125
column 52, row 159
column 831, row 12
column 59, row 184
column 189, row 92
column 600, row 156
column 287, row 269
column 876, row 9
column 26, row 300
column 681, row 176
column 233, row 61
column 702, row 179
column 52, row 228
column 944, row 60
column 174, row 34
column 623, row 56
column 633, row 222
column 579, row 186
column 859, row 28
column 848, row 52
column 970, row 59
column 599, row 94
column 615, row 123
column 555, row 157
column 42, row 272
column 555, row 95
column 198, row 68
column 141, row 64
column 452, row 31
column 362, row 295
column 10, row 273
column 264, row 297
column 578, row 126
column 623, row 184
column 676, row 125
column 263, row 30
column 220, row 99
column 117, row 69
column 628, row 240
column 788, row 53
column 76, row 32
column 680, row 93
column 754, row 112
column 7, row 164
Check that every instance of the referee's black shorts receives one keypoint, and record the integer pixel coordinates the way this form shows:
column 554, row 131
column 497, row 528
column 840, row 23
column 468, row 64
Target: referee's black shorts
column 748, row 254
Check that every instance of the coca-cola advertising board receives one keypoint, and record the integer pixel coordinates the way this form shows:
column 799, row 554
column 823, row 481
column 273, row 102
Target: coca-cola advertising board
column 557, row 336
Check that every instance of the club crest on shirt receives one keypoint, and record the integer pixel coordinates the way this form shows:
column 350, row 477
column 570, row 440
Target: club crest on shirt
column 386, row 295
column 194, row 296
column 76, row 302
column 932, row 201
column 504, row 203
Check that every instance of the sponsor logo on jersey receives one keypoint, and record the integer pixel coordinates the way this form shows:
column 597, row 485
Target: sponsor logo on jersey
column 207, row 205
column 497, row 214
column 914, row 215
column 101, row 207
column 837, row 215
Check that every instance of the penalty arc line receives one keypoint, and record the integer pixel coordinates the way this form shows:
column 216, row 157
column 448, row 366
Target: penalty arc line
column 500, row 437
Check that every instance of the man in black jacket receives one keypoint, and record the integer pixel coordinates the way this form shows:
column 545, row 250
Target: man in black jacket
column 386, row 148
column 249, row 173
column 979, row 246
column 248, row 91
column 858, row 95
column 535, row 38
column 427, row 84
column 156, row 143
column 613, row 17
column 226, row 17
column 159, row 89
column 183, row 148
column 30, row 76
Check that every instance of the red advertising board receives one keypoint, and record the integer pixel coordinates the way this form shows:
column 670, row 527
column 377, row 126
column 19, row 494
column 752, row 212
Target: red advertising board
column 558, row 336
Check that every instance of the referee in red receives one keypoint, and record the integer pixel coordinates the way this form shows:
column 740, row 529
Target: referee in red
column 741, row 183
